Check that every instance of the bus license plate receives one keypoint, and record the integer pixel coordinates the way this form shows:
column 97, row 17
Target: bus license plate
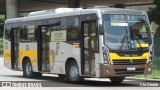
column 131, row 68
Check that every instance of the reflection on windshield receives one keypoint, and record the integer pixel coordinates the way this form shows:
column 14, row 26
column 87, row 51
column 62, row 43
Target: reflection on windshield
column 139, row 30
column 117, row 26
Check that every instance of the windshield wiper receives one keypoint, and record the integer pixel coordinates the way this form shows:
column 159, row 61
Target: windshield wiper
column 125, row 36
column 122, row 43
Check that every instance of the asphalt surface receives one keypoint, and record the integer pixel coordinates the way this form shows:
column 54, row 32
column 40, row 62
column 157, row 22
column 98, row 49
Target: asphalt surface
column 53, row 82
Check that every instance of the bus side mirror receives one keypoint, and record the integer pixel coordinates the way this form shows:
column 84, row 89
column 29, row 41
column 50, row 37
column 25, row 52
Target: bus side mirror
column 101, row 30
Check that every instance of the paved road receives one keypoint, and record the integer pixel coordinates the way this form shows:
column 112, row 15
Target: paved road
column 1, row 59
column 55, row 83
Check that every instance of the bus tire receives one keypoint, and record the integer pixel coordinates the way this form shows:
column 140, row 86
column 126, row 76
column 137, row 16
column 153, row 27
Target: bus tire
column 28, row 72
column 73, row 72
column 117, row 79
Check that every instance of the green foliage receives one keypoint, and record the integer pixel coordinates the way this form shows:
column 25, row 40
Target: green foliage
column 157, row 2
column 2, row 19
column 154, row 14
column 1, row 46
column 155, row 70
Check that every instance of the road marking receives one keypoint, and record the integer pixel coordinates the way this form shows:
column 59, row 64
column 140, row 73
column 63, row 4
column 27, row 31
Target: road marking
column 102, row 79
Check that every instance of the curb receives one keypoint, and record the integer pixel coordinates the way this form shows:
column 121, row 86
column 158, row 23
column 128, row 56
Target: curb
column 143, row 79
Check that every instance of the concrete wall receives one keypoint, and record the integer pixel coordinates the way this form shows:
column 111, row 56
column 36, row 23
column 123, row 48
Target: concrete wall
column 12, row 8
column 140, row 7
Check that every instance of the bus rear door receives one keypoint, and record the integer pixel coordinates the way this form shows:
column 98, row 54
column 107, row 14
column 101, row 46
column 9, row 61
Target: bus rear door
column 15, row 36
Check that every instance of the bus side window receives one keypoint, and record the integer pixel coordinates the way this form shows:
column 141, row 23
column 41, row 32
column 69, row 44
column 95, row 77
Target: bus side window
column 54, row 28
column 27, row 33
column 71, row 25
column 31, row 33
column 94, row 36
column 7, row 34
column 23, row 34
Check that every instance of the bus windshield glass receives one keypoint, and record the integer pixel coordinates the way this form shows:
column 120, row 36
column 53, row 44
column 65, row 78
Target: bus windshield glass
column 125, row 31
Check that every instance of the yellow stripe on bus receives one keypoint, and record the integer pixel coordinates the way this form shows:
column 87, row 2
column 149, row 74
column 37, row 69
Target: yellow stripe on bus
column 32, row 54
column 7, row 55
column 143, row 45
column 117, row 57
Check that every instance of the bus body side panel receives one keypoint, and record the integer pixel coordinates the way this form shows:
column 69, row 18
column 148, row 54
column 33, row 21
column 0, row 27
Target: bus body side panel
column 61, row 51
column 100, row 59
column 7, row 53
column 28, row 50
column 7, row 46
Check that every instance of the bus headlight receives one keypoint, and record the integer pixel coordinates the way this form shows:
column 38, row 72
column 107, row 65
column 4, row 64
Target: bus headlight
column 150, row 55
column 105, row 56
column 150, row 58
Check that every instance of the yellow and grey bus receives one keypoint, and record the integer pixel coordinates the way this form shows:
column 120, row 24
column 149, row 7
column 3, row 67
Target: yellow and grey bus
column 75, row 43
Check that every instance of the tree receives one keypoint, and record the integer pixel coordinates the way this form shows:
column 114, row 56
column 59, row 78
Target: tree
column 154, row 14
column 2, row 19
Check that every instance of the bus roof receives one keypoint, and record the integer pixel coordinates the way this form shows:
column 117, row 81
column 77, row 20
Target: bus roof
column 62, row 12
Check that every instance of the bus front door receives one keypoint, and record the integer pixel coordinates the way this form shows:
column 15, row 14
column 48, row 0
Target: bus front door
column 90, row 47
column 15, row 34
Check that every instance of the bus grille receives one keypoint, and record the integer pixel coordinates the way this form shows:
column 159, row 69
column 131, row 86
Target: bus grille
column 130, row 62
column 124, row 71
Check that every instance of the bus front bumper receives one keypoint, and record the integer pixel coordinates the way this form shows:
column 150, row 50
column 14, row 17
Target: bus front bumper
column 107, row 70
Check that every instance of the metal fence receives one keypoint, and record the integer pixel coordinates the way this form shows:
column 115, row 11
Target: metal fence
column 157, row 46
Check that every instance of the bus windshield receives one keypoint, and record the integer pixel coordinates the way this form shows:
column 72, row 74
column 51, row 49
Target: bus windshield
column 125, row 31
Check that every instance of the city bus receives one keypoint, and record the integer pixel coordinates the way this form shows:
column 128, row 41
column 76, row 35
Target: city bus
column 77, row 43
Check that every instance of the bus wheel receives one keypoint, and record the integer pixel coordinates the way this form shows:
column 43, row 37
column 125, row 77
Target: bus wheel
column 28, row 72
column 73, row 72
column 117, row 79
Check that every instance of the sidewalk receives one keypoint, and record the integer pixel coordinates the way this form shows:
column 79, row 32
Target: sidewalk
column 143, row 79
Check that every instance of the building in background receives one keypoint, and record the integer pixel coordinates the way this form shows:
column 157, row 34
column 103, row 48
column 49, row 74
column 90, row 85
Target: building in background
column 16, row 8
column 20, row 8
